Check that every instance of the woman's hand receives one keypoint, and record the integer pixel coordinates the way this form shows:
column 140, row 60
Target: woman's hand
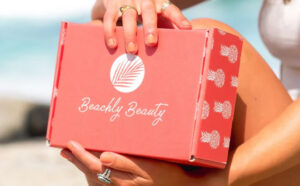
column 147, row 9
column 125, row 170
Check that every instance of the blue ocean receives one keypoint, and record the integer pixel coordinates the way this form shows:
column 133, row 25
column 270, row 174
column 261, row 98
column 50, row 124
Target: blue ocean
column 28, row 45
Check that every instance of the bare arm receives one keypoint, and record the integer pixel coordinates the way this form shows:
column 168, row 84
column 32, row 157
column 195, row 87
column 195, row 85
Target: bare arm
column 273, row 150
column 98, row 10
column 182, row 4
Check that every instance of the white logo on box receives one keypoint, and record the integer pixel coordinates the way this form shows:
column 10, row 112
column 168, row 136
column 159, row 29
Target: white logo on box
column 127, row 73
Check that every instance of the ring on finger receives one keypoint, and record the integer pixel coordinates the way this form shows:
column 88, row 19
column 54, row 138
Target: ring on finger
column 104, row 177
column 124, row 8
column 165, row 5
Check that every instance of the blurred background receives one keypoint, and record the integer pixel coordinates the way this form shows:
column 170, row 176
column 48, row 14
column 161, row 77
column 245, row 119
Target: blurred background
column 29, row 32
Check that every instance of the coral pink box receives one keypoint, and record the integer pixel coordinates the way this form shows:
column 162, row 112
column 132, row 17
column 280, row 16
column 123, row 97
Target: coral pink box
column 174, row 102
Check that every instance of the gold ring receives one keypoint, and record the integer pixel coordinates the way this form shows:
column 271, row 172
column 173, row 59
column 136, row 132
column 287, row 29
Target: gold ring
column 165, row 5
column 124, row 8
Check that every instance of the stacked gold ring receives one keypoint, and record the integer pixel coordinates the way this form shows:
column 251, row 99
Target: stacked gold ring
column 124, row 8
column 165, row 5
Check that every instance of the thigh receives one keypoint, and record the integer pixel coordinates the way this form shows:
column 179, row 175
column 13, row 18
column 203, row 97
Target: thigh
column 261, row 96
column 289, row 177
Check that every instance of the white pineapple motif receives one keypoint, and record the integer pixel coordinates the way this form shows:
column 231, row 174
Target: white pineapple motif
column 127, row 73
column 205, row 110
column 234, row 81
column 231, row 52
column 218, row 77
column 213, row 138
column 223, row 108
column 226, row 142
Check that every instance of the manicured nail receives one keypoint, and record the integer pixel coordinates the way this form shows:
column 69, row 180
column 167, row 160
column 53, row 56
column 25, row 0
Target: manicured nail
column 185, row 23
column 151, row 39
column 111, row 43
column 132, row 48
column 73, row 144
column 65, row 155
column 107, row 158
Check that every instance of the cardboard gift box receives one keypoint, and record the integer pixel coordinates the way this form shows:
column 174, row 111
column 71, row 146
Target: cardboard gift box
column 173, row 102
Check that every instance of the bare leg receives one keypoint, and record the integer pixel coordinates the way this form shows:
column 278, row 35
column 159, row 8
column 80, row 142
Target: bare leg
column 257, row 102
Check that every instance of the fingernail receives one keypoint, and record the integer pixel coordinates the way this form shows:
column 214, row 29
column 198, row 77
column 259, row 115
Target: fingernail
column 73, row 144
column 111, row 43
column 185, row 23
column 151, row 39
column 65, row 155
column 132, row 48
column 107, row 158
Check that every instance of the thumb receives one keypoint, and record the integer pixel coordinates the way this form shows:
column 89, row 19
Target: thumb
column 123, row 163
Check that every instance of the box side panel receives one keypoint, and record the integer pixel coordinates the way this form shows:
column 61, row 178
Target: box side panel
column 217, row 98
column 60, row 52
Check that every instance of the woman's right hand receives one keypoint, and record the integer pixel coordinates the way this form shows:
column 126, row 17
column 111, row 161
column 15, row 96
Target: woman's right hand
column 125, row 170
column 147, row 9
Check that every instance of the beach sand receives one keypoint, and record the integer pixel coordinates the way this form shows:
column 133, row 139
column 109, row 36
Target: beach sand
column 31, row 163
column 26, row 160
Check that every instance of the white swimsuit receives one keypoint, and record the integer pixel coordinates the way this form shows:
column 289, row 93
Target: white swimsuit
column 279, row 26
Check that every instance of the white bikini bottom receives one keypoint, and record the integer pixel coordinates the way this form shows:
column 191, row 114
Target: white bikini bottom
column 290, row 77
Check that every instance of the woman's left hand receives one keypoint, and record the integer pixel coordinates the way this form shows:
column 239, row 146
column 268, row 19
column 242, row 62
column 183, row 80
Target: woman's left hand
column 126, row 170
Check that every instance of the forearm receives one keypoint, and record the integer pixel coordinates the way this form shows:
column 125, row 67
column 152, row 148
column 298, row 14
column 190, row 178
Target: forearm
column 98, row 10
column 273, row 150
column 182, row 4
